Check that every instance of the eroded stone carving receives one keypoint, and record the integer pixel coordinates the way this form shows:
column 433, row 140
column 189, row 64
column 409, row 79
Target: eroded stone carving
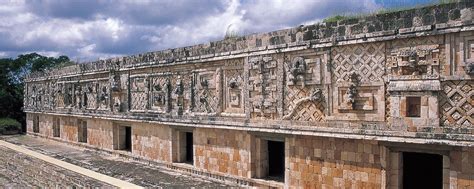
column 161, row 94
column 179, row 92
column 470, row 68
column 233, row 85
column 103, row 98
column 315, row 97
column 297, row 71
column 416, row 60
column 263, row 87
column 351, row 92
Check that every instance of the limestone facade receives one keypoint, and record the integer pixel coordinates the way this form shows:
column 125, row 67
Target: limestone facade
column 344, row 103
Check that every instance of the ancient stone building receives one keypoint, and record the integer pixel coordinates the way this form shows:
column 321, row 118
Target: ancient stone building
column 383, row 101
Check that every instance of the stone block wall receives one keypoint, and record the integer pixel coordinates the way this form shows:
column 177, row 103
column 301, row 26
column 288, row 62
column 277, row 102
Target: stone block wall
column 315, row 162
column 461, row 174
column 151, row 141
column 223, row 151
column 99, row 133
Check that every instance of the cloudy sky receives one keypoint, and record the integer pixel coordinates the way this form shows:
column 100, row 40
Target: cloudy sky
column 88, row 30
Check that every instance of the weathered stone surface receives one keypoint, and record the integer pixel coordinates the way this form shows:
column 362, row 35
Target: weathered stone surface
column 402, row 77
column 18, row 170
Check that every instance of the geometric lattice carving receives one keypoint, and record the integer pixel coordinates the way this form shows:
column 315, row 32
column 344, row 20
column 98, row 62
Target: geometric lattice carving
column 366, row 60
column 233, row 83
column 456, row 103
column 138, row 92
column 206, row 98
column 91, row 95
column 302, row 104
column 263, row 87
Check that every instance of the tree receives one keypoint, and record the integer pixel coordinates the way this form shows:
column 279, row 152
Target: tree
column 12, row 73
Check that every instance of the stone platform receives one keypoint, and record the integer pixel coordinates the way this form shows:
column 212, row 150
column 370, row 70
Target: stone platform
column 18, row 170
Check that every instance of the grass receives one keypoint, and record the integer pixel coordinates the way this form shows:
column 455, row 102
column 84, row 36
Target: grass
column 397, row 8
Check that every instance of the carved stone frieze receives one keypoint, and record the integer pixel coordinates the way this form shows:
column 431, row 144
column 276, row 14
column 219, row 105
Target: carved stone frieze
column 417, row 60
column 233, row 87
column 303, row 97
column 138, row 93
column 456, row 103
column 160, row 95
column 206, row 98
column 263, row 87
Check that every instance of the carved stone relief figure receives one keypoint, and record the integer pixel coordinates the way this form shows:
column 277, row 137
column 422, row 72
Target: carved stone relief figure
column 297, row 71
column 179, row 92
column 68, row 96
column 115, row 82
column 78, row 96
column 103, row 98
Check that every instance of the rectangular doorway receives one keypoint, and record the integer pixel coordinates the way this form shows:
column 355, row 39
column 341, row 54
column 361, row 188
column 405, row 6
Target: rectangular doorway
column 183, row 146
column 189, row 148
column 123, row 138
column 82, row 131
column 56, row 127
column 422, row 170
column 276, row 160
column 36, row 124
column 128, row 139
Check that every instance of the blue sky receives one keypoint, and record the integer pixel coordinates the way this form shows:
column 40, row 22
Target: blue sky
column 91, row 30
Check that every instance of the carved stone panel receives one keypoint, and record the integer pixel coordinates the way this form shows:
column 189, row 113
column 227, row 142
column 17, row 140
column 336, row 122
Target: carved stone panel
column 303, row 97
column 418, row 58
column 138, row 93
column 456, row 103
column 263, row 87
column 206, row 99
column 366, row 60
column 358, row 89
column 160, row 93
column 181, row 92
column 466, row 65
column 233, row 85
column 103, row 97
column 90, row 95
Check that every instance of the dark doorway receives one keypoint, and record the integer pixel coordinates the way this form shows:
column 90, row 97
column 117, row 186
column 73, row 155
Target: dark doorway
column 82, row 131
column 422, row 170
column 189, row 147
column 276, row 160
column 36, row 124
column 128, row 139
column 56, row 127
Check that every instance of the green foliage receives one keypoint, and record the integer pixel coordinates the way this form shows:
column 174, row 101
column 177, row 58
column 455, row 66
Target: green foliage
column 9, row 124
column 334, row 18
column 12, row 73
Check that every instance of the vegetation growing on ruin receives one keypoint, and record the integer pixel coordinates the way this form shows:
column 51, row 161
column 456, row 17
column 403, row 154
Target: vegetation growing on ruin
column 401, row 7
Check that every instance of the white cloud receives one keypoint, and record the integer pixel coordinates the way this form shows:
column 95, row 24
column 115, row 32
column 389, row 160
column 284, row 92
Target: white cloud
column 92, row 30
